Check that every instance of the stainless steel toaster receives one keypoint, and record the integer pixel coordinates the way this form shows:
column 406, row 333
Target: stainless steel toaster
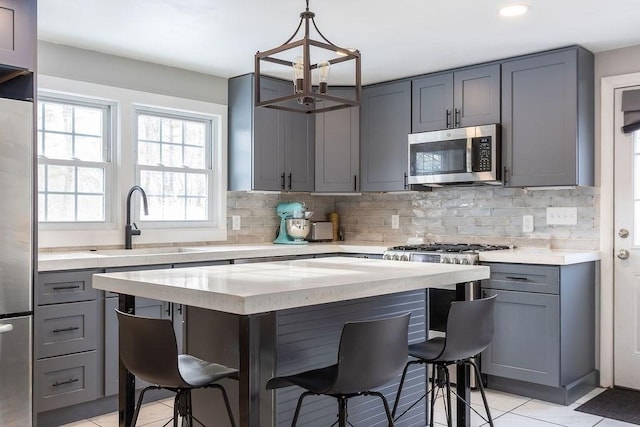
column 321, row 231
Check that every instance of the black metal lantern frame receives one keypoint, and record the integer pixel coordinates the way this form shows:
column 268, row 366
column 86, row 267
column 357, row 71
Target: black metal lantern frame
column 304, row 97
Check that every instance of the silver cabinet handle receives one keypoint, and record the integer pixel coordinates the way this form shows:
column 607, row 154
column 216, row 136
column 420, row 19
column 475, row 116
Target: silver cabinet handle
column 6, row 328
column 623, row 233
column 623, row 254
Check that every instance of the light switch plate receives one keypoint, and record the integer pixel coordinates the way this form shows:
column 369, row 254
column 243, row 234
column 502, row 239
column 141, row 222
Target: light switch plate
column 395, row 221
column 527, row 224
column 235, row 222
column 562, row 216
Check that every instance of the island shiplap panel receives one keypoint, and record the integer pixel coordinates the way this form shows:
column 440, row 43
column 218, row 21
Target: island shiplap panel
column 308, row 338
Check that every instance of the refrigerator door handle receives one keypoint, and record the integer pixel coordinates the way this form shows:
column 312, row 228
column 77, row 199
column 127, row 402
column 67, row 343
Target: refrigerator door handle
column 6, row 328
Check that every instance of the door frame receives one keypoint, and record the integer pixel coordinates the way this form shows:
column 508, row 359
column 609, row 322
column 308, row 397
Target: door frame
column 608, row 86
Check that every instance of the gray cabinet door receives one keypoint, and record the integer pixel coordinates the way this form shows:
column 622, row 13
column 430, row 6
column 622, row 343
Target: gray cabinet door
column 526, row 341
column 269, row 141
column 385, row 115
column 476, row 96
column 17, row 33
column 338, row 148
column 299, row 152
column 432, row 103
column 540, row 113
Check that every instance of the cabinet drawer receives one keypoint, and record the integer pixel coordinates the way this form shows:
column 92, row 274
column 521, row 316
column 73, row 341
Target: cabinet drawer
column 68, row 286
column 66, row 380
column 66, row 328
column 525, row 278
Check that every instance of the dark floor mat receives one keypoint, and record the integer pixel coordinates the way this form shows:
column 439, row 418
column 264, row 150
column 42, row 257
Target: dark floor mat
column 618, row 404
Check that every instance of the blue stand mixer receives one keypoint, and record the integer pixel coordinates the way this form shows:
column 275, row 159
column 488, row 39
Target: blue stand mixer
column 293, row 225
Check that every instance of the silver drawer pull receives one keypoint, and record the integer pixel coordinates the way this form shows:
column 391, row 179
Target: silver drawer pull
column 71, row 381
column 6, row 328
column 524, row 279
column 69, row 329
column 64, row 288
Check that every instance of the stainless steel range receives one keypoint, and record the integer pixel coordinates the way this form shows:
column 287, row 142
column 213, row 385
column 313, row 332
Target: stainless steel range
column 444, row 253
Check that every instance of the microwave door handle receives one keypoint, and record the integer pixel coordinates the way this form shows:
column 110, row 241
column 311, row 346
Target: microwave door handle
column 469, row 155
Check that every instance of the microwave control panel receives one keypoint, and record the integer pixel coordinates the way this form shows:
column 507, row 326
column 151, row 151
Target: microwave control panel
column 481, row 154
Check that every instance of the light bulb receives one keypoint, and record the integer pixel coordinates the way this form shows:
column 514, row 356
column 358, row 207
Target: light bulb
column 514, row 10
column 298, row 74
column 324, row 68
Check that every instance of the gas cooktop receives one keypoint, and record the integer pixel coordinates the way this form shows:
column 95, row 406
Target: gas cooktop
column 445, row 253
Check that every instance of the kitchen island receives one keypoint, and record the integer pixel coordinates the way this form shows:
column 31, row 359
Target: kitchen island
column 255, row 294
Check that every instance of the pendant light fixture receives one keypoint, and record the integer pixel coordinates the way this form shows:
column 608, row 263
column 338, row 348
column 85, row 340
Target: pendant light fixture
column 310, row 91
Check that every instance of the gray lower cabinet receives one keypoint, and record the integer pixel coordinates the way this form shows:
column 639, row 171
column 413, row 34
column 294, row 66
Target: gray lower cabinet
column 67, row 331
column 269, row 149
column 468, row 97
column 547, row 119
column 17, row 33
column 544, row 340
column 385, row 122
column 337, row 145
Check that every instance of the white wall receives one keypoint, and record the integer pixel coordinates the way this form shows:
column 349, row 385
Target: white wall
column 94, row 67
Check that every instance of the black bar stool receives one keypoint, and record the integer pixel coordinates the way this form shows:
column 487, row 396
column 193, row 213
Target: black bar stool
column 469, row 331
column 371, row 354
column 149, row 351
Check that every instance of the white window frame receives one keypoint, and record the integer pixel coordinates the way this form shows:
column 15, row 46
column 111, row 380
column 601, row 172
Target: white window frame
column 124, row 170
column 212, row 136
column 109, row 150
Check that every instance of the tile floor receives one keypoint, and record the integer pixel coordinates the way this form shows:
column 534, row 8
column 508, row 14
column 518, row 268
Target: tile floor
column 508, row 410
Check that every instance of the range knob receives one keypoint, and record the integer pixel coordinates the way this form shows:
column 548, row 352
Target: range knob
column 465, row 261
column 404, row 257
column 455, row 261
column 396, row 257
column 446, row 260
column 386, row 256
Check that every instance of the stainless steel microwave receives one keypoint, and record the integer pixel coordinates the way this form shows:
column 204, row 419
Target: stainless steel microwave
column 456, row 156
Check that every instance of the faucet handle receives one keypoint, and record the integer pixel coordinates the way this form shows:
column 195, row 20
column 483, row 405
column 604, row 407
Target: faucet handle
column 135, row 231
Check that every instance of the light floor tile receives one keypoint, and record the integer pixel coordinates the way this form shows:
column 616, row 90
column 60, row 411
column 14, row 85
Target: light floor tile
column 476, row 420
column 83, row 423
column 150, row 413
column 558, row 414
column 501, row 401
column 513, row 420
column 587, row 397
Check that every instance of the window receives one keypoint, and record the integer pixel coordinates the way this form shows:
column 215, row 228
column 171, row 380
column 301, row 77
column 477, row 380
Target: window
column 74, row 165
column 175, row 165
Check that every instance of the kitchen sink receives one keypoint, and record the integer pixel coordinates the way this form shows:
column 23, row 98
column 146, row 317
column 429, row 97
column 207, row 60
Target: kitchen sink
column 147, row 251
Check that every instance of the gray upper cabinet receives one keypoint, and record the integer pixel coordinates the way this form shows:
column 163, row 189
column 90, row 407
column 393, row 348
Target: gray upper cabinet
column 338, row 147
column 269, row 149
column 547, row 119
column 17, row 33
column 469, row 97
column 385, row 122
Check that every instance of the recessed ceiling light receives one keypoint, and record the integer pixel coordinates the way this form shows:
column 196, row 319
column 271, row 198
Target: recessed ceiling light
column 514, row 10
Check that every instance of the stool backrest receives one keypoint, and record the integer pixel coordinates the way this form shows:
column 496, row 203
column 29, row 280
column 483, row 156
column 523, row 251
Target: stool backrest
column 149, row 350
column 469, row 328
column 371, row 354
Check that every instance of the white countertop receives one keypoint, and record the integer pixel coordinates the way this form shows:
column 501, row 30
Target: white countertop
column 57, row 261
column 262, row 287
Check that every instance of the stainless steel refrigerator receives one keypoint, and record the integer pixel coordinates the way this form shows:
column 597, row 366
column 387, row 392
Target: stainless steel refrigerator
column 16, row 262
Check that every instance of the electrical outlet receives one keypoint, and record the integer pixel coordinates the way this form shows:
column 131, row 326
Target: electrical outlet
column 235, row 222
column 395, row 221
column 527, row 224
column 562, row 216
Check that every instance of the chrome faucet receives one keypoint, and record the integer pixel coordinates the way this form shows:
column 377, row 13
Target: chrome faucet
column 128, row 229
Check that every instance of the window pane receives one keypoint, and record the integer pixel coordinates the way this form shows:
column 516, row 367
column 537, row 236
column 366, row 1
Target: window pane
column 155, row 209
column 58, row 146
column 149, row 128
column 148, row 153
column 174, row 184
column 90, row 208
column 88, row 121
column 197, row 209
column 61, row 179
column 173, row 208
column 172, row 131
column 151, row 182
column 194, row 157
column 196, row 185
column 194, row 133
column 172, row 155
column 89, row 148
column 58, row 117
column 90, row 180
column 61, row 207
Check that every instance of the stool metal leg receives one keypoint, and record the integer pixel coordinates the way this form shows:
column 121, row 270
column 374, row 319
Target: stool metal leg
column 482, row 393
column 297, row 413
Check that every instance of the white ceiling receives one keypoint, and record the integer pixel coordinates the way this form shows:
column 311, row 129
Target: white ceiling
column 396, row 38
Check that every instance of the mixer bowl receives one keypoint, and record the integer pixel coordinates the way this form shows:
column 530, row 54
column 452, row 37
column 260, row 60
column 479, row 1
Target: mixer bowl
column 298, row 228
